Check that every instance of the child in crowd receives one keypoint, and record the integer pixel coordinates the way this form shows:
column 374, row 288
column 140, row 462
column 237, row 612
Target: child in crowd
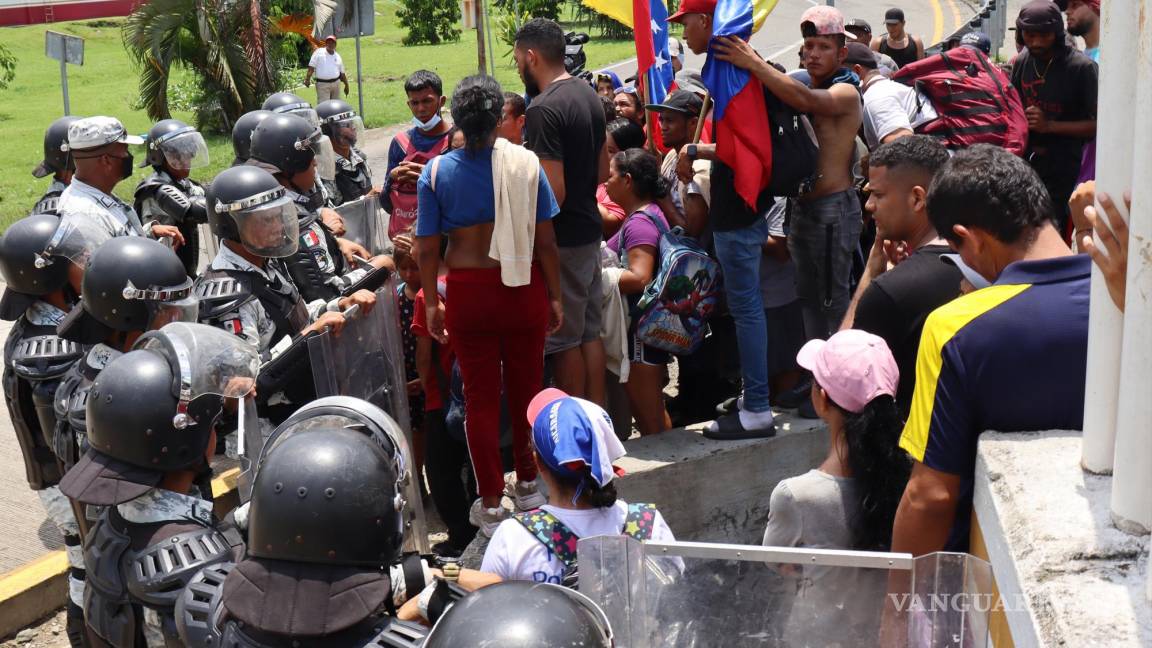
column 622, row 135
column 782, row 310
column 850, row 500
column 635, row 183
column 409, row 274
column 574, row 446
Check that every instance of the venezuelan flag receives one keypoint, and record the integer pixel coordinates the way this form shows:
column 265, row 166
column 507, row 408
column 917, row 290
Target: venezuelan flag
column 743, row 133
column 621, row 11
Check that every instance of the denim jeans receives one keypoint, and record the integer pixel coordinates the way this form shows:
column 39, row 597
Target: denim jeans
column 823, row 237
column 739, row 253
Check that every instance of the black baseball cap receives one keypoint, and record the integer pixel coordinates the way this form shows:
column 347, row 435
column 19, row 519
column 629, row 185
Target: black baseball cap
column 858, row 23
column 893, row 16
column 861, row 54
column 681, row 101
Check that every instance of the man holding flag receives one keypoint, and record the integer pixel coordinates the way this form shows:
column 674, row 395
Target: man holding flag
column 825, row 230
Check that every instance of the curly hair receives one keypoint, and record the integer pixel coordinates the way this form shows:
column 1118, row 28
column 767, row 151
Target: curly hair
column 626, row 133
column 880, row 468
column 476, row 106
column 647, row 183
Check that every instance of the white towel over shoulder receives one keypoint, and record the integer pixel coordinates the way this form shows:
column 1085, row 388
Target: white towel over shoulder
column 515, row 177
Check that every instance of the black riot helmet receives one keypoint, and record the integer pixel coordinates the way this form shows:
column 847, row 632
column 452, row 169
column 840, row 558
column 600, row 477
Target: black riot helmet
column 286, row 142
column 340, row 122
column 326, row 497
column 522, row 614
column 174, row 144
column 26, row 280
column 131, row 283
column 290, row 104
column 383, row 477
column 242, row 134
column 56, row 160
column 152, row 410
column 246, row 204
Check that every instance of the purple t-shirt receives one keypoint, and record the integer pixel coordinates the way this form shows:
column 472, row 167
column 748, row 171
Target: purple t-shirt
column 638, row 229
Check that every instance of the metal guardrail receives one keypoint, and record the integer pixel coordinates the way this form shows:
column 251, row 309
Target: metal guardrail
column 991, row 18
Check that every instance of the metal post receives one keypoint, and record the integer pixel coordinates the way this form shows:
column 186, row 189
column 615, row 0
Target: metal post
column 64, row 85
column 1132, row 471
column 488, row 35
column 481, row 55
column 1114, row 176
column 359, row 69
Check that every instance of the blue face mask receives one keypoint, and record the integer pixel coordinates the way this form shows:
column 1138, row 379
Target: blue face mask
column 428, row 125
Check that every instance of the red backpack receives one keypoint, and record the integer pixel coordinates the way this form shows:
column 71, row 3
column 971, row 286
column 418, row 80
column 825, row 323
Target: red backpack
column 403, row 194
column 975, row 100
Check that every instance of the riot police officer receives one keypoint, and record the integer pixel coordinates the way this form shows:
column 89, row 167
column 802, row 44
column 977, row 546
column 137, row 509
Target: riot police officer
column 56, row 163
column 168, row 195
column 152, row 424
column 287, row 103
column 131, row 285
column 325, row 533
column 98, row 146
column 242, row 134
column 36, row 299
column 344, row 128
column 289, row 147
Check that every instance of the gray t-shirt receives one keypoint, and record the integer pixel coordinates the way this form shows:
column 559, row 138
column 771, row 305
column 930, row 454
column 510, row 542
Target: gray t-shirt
column 832, row 604
column 777, row 278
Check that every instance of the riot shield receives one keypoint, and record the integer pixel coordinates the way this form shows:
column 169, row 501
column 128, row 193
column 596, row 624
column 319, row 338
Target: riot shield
column 366, row 223
column 697, row 595
column 366, row 360
column 249, row 445
column 343, row 412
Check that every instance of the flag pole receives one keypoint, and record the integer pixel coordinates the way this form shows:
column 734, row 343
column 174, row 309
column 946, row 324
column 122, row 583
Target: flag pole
column 703, row 115
column 647, row 98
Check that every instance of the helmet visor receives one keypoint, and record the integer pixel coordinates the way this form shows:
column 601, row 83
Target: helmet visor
column 185, row 151
column 271, row 230
column 325, row 158
column 181, row 310
column 348, row 131
column 211, row 360
column 307, row 113
column 75, row 240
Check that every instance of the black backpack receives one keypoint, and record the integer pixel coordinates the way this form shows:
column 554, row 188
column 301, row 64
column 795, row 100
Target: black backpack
column 794, row 149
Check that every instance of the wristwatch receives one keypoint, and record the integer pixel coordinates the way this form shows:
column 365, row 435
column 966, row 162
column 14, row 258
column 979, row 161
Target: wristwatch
column 691, row 150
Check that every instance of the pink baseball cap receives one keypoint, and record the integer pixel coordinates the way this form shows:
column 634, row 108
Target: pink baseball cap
column 853, row 367
column 822, row 20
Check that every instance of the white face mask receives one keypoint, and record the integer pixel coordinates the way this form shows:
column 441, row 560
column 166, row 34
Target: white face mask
column 428, row 125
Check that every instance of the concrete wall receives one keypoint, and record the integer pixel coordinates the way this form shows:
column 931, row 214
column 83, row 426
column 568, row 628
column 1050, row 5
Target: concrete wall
column 718, row 491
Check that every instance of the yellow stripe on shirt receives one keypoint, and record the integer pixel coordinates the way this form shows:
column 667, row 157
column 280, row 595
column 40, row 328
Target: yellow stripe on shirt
column 939, row 329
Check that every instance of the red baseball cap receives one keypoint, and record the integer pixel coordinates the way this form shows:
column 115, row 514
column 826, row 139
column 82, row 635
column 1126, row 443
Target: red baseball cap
column 693, row 7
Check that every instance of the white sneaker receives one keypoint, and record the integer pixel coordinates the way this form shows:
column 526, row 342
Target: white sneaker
column 487, row 519
column 527, row 496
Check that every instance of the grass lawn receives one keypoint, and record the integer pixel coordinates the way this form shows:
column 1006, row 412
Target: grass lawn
column 107, row 85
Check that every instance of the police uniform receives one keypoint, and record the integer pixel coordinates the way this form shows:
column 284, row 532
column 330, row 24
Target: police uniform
column 353, row 178
column 168, row 201
column 71, row 400
column 48, row 202
column 318, row 268
column 81, row 201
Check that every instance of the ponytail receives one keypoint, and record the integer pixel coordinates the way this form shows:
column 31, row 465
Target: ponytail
column 880, row 468
column 597, row 495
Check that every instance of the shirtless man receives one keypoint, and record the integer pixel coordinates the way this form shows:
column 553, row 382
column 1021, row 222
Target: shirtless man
column 825, row 230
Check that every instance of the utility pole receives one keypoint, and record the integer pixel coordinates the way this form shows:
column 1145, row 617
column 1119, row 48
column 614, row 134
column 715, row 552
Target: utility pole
column 481, row 52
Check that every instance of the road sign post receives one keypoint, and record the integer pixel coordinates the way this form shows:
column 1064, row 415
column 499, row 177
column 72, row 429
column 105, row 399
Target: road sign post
column 66, row 49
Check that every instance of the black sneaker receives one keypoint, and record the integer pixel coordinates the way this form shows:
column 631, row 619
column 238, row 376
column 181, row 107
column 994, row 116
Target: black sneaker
column 797, row 396
column 729, row 428
column 446, row 549
column 807, row 410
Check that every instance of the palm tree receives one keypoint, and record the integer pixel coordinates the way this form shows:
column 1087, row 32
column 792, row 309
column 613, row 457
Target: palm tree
column 223, row 42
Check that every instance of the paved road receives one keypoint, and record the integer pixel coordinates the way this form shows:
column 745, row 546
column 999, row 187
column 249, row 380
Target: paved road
column 25, row 534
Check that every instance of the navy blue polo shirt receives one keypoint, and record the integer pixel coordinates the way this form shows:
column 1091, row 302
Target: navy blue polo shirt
column 1011, row 357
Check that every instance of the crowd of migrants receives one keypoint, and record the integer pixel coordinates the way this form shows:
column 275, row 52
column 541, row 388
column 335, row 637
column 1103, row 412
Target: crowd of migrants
column 912, row 291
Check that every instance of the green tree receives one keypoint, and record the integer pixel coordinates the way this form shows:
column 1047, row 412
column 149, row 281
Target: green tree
column 223, row 43
column 7, row 66
column 429, row 22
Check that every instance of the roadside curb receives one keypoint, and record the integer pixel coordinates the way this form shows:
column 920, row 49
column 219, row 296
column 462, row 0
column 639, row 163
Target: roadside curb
column 35, row 590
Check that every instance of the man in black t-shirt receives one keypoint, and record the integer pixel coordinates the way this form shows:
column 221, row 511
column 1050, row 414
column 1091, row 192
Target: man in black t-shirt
column 1058, row 86
column 565, row 128
column 893, row 304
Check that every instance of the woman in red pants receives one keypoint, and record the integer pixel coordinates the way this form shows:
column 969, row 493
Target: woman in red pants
column 503, row 284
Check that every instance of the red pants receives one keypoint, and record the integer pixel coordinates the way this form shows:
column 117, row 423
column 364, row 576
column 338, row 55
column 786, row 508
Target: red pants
column 497, row 334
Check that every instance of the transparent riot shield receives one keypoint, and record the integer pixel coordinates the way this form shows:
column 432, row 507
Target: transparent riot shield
column 366, row 360
column 366, row 223
column 698, row 595
column 249, row 445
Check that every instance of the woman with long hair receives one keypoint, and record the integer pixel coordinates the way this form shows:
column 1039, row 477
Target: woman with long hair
column 493, row 203
column 622, row 135
column 635, row 183
column 850, row 500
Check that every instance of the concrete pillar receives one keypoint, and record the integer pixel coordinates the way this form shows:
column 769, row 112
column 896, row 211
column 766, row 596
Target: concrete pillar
column 1132, row 473
column 1114, row 176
